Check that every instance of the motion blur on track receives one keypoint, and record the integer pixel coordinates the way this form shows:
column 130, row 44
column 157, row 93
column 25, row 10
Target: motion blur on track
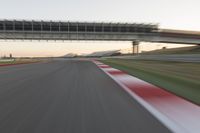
column 68, row 96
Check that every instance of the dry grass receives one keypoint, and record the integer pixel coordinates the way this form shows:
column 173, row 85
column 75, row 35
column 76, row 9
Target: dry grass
column 19, row 61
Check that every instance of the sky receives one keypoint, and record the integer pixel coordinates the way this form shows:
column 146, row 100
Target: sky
column 175, row 14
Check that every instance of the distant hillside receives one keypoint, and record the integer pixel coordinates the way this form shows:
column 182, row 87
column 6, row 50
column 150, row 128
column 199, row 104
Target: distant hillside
column 105, row 53
column 182, row 50
column 70, row 55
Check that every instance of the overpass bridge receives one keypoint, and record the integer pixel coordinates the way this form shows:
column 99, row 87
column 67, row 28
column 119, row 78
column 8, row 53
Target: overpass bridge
column 51, row 30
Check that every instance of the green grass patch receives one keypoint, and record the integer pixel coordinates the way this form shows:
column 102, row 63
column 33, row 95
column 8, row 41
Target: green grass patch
column 183, row 79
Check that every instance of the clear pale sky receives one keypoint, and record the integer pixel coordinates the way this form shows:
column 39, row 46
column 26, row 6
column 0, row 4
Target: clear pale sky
column 176, row 14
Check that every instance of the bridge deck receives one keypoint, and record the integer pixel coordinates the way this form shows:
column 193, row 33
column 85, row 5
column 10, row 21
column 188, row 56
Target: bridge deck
column 50, row 30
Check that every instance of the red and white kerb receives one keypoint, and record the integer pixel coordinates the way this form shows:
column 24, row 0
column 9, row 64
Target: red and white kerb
column 178, row 114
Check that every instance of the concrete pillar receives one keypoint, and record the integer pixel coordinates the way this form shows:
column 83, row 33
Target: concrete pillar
column 135, row 45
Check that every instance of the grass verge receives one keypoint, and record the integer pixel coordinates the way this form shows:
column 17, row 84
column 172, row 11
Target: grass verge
column 18, row 61
column 180, row 78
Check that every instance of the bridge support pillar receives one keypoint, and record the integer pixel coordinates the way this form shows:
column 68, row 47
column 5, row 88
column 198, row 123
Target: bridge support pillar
column 135, row 47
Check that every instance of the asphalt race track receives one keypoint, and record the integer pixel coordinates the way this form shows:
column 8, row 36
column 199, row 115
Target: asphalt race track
column 68, row 96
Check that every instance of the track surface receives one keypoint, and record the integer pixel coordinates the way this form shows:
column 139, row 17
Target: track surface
column 68, row 97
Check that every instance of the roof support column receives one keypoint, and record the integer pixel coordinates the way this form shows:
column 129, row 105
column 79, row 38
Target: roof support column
column 13, row 25
column 77, row 37
column 24, row 36
column 41, row 29
column 4, row 29
column 14, row 28
column 68, row 36
column 32, row 30
column 85, row 33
